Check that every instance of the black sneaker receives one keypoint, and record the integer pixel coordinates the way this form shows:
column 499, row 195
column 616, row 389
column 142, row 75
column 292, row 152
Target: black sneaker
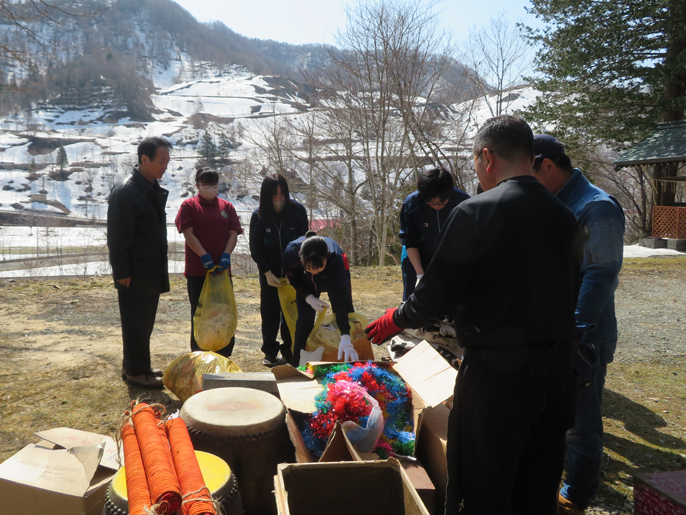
column 270, row 362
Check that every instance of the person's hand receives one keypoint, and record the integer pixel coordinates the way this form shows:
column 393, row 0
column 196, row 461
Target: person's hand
column 224, row 264
column 272, row 280
column 317, row 305
column 346, row 349
column 383, row 328
column 207, row 262
column 446, row 329
column 125, row 282
column 225, row 261
column 419, row 278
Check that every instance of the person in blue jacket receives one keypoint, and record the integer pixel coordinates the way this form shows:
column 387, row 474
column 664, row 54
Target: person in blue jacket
column 274, row 224
column 316, row 264
column 423, row 215
column 601, row 220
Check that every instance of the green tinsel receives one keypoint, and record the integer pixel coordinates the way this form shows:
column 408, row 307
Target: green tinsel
column 406, row 449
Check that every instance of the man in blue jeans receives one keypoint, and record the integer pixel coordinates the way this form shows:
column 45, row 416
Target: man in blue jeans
column 601, row 221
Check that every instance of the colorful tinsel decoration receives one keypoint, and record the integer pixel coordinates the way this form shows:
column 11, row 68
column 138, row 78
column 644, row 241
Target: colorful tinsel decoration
column 342, row 399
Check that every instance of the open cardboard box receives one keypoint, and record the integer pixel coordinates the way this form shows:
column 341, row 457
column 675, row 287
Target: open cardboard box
column 341, row 488
column 432, row 381
column 67, row 473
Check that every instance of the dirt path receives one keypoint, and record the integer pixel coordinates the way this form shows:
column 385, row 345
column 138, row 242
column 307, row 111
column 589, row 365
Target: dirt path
column 60, row 346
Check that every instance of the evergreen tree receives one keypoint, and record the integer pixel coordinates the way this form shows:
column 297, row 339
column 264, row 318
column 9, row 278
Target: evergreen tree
column 608, row 70
column 207, row 149
column 225, row 146
column 62, row 158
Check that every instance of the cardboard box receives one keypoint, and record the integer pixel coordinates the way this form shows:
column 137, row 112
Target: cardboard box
column 65, row 474
column 432, row 381
column 257, row 380
column 342, row 488
column 429, row 376
column 431, row 449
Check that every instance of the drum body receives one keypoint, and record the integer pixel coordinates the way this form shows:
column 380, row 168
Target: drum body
column 217, row 475
column 247, row 429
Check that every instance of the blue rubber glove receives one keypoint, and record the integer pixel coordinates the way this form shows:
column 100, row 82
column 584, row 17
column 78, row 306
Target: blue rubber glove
column 224, row 262
column 207, row 262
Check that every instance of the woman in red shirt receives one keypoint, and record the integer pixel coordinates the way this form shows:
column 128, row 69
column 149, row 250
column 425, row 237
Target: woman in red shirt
column 210, row 227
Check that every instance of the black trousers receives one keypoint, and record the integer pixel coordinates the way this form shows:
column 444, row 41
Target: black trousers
column 272, row 320
column 409, row 278
column 194, row 283
column 506, row 435
column 137, row 314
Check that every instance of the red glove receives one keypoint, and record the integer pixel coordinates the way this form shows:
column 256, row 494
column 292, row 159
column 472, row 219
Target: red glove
column 383, row 328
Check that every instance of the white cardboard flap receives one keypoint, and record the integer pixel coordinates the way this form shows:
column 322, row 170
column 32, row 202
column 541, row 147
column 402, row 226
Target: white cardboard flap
column 69, row 438
column 298, row 392
column 89, row 459
column 428, row 373
column 57, row 470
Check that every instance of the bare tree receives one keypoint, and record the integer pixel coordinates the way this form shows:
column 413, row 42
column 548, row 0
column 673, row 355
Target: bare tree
column 499, row 57
column 28, row 18
column 272, row 137
column 376, row 92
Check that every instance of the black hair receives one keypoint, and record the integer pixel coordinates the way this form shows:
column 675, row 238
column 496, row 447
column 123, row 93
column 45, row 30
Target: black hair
column 436, row 182
column 206, row 176
column 267, row 192
column 148, row 147
column 510, row 137
column 562, row 161
column 313, row 252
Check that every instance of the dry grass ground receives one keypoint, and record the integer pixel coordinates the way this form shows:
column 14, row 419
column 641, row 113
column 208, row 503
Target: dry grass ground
column 61, row 356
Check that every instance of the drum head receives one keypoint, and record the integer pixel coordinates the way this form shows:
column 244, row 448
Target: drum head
column 233, row 412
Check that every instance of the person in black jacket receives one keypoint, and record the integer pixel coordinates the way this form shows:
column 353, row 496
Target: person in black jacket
column 273, row 225
column 507, row 269
column 137, row 242
column 423, row 215
column 316, row 264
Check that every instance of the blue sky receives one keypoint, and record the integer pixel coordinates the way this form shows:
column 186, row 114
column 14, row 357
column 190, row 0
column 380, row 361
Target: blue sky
column 316, row 21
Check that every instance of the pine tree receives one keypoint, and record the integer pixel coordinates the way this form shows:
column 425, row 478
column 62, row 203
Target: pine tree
column 62, row 158
column 207, row 149
column 609, row 70
column 225, row 146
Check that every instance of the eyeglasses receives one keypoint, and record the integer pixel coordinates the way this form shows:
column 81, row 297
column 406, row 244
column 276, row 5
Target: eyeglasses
column 209, row 186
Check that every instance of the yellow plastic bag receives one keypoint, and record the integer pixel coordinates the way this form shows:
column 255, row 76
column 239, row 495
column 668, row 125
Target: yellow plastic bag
column 326, row 334
column 216, row 316
column 183, row 376
column 289, row 308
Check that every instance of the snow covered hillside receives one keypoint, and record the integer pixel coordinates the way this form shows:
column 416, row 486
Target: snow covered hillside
column 99, row 152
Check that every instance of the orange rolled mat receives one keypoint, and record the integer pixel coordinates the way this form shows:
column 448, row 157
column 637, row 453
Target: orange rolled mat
column 165, row 491
column 196, row 495
column 136, row 482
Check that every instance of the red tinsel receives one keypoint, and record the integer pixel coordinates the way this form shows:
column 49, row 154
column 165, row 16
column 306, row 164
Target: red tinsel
column 346, row 401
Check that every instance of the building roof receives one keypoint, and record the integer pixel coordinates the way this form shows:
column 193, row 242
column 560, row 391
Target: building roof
column 666, row 145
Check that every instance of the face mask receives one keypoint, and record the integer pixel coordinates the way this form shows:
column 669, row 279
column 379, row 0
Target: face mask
column 207, row 193
column 278, row 206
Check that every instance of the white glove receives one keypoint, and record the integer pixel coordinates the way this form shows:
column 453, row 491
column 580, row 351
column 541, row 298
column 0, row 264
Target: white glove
column 346, row 349
column 445, row 329
column 272, row 280
column 419, row 278
column 317, row 305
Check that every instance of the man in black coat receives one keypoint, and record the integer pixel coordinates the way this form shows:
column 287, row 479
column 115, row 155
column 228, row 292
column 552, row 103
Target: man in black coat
column 137, row 242
column 507, row 269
